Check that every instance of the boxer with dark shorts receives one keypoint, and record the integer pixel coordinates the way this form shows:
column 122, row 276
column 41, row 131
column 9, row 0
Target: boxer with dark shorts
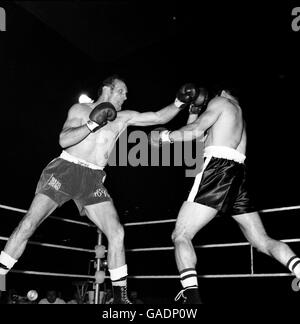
column 67, row 177
column 220, row 188
column 87, row 138
column 223, row 182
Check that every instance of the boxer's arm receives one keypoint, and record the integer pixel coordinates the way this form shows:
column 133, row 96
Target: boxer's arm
column 162, row 116
column 185, row 95
column 191, row 118
column 197, row 128
column 75, row 129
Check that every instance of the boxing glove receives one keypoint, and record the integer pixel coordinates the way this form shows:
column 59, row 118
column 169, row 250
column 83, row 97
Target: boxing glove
column 200, row 103
column 99, row 116
column 186, row 95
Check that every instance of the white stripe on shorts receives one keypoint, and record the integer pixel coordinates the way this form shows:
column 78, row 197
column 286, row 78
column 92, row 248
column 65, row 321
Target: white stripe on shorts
column 197, row 181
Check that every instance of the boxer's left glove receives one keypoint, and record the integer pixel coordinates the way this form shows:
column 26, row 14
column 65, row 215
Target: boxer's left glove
column 159, row 136
column 200, row 103
column 187, row 94
column 99, row 116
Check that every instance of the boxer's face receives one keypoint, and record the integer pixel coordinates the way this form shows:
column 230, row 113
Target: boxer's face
column 118, row 94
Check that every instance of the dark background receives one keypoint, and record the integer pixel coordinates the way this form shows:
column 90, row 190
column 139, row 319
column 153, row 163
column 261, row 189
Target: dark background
column 54, row 51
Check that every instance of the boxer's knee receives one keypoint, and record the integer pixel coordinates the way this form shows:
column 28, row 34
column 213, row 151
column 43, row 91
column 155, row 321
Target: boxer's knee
column 174, row 236
column 180, row 237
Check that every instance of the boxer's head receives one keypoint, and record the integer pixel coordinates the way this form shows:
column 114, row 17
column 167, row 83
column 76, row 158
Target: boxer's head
column 113, row 90
column 229, row 94
column 228, row 89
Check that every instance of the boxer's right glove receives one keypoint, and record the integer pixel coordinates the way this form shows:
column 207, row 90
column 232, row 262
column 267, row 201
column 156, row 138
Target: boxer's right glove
column 99, row 116
column 187, row 94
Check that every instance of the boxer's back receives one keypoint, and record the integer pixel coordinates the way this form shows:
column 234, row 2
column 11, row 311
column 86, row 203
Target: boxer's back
column 228, row 130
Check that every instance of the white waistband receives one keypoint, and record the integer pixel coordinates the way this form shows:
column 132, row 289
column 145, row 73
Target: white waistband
column 66, row 156
column 224, row 152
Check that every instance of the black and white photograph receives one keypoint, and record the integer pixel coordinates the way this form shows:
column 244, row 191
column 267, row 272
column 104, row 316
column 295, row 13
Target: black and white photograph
column 149, row 155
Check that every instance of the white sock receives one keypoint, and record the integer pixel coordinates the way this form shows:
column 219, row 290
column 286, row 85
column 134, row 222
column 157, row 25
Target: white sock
column 294, row 265
column 7, row 263
column 118, row 276
column 188, row 277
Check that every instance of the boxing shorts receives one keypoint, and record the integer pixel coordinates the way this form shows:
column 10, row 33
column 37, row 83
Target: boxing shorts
column 222, row 184
column 68, row 177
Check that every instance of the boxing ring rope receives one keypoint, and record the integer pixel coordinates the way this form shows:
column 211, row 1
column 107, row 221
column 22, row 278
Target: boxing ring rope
column 57, row 246
column 252, row 274
column 24, row 211
column 64, row 247
column 245, row 275
column 149, row 249
column 263, row 211
column 166, row 248
column 53, row 274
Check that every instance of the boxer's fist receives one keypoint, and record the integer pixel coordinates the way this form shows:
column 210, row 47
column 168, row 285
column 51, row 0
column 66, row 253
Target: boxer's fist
column 200, row 103
column 158, row 136
column 99, row 116
column 186, row 95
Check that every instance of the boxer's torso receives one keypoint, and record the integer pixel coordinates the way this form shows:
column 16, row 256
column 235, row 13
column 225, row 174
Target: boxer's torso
column 97, row 147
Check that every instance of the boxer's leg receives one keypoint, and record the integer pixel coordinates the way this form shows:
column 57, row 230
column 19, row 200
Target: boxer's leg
column 105, row 217
column 191, row 219
column 253, row 229
column 41, row 207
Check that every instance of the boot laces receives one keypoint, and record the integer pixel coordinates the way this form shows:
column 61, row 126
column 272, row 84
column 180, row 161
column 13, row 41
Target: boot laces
column 181, row 293
column 124, row 296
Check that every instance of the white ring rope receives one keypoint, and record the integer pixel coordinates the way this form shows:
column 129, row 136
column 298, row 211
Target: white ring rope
column 147, row 223
column 151, row 222
column 167, row 248
column 64, row 247
column 263, row 211
column 271, row 210
column 53, row 217
column 246, row 275
column 149, row 249
column 41, row 273
column 69, row 275
column 152, row 249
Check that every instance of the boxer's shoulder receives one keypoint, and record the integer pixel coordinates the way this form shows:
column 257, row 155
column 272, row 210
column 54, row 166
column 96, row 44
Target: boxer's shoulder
column 220, row 103
column 79, row 109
